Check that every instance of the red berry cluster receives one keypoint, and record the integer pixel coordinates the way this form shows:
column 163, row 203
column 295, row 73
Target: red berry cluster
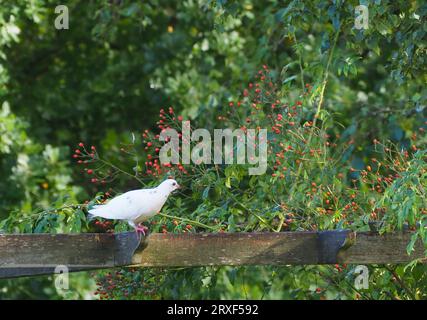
column 125, row 284
column 175, row 226
column 104, row 226
column 86, row 157
column 340, row 268
column 167, row 120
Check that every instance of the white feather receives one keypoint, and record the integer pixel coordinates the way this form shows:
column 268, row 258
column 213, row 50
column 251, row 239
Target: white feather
column 136, row 205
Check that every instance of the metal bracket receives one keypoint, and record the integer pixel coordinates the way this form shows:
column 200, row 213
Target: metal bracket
column 332, row 243
column 127, row 244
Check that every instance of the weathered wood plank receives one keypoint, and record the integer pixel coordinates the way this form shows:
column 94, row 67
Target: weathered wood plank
column 372, row 248
column 233, row 249
column 285, row 248
column 33, row 254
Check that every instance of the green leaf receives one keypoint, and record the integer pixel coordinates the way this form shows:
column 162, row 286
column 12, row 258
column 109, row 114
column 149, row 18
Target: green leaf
column 410, row 246
column 205, row 193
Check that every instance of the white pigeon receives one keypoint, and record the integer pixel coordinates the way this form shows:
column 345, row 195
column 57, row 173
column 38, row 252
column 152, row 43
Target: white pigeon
column 136, row 206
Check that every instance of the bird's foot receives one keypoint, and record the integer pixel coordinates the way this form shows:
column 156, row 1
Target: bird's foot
column 141, row 229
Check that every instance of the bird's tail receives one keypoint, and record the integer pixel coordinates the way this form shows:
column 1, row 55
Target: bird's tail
column 92, row 213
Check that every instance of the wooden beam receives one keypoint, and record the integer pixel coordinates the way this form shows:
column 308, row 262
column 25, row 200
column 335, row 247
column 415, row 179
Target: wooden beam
column 34, row 254
column 371, row 248
column 284, row 248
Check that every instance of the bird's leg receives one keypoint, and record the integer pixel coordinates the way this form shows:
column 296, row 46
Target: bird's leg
column 140, row 227
column 140, row 230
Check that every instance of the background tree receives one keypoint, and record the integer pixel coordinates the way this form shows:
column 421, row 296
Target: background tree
column 122, row 61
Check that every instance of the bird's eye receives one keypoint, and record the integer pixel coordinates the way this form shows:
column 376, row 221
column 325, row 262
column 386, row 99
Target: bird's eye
column 174, row 184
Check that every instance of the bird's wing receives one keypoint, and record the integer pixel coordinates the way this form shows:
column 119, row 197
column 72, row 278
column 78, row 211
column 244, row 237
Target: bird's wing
column 124, row 207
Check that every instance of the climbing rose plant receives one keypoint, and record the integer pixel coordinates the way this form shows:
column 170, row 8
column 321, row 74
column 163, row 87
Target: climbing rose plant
column 309, row 185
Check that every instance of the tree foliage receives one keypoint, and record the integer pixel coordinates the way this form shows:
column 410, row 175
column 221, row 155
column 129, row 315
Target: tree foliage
column 345, row 110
